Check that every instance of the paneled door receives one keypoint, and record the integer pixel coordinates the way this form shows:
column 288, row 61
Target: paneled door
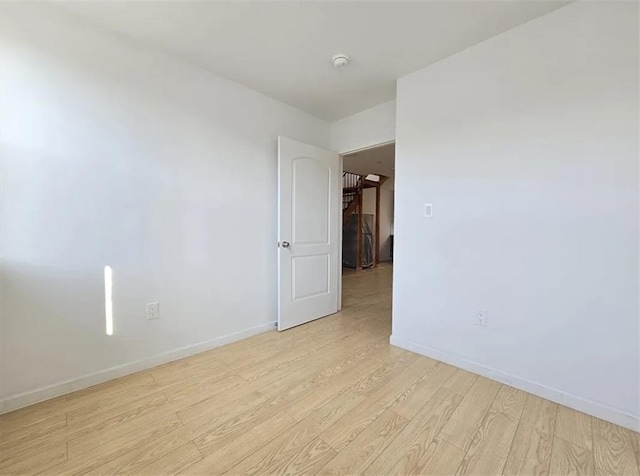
column 309, row 191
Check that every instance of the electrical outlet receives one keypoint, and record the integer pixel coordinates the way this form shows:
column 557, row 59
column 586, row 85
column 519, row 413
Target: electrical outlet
column 481, row 318
column 153, row 310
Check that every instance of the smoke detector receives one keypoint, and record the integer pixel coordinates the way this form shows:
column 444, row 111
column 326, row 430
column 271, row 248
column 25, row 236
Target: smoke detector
column 341, row 60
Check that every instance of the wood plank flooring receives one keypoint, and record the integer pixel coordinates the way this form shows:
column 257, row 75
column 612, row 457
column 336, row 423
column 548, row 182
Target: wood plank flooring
column 330, row 397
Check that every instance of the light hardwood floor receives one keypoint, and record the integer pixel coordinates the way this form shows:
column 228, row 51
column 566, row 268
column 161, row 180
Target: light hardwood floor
column 329, row 397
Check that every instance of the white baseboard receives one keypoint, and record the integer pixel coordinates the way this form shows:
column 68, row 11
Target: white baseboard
column 29, row 398
column 558, row 396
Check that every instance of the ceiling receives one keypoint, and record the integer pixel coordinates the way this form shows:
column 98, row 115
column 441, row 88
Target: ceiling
column 284, row 49
column 377, row 160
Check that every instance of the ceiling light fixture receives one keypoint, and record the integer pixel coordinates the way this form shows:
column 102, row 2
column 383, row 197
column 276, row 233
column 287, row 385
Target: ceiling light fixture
column 341, row 60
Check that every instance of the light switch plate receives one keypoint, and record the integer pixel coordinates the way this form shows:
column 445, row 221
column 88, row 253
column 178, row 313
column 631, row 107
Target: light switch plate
column 428, row 210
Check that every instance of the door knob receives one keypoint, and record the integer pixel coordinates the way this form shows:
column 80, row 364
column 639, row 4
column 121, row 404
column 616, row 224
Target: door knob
column 286, row 244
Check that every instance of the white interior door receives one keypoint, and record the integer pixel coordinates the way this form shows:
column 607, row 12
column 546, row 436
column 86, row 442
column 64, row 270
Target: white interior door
column 309, row 191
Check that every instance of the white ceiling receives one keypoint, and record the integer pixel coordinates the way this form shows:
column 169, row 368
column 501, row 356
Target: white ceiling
column 378, row 160
column 284, row 49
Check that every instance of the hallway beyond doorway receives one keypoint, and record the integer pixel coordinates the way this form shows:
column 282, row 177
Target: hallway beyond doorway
column 368, row 290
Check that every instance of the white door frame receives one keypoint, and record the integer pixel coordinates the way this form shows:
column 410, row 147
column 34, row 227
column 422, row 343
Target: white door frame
column 340, row 237
column 342, row 154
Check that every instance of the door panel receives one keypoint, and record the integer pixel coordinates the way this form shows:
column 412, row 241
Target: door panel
column 311, row 181
column 310, row 276
column 308, row 234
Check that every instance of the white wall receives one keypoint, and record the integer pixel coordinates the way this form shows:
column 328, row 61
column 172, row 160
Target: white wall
column 386, row 220
column 527, row 146
column 117, row 155
column 369, row 201
column 373, row 126
column 386, row 215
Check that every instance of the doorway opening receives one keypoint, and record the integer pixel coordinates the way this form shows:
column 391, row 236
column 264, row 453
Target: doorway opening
column 367, row 227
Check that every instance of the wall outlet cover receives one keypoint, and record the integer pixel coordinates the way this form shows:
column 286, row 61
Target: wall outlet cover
column 153, row 310
column 481, row 318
